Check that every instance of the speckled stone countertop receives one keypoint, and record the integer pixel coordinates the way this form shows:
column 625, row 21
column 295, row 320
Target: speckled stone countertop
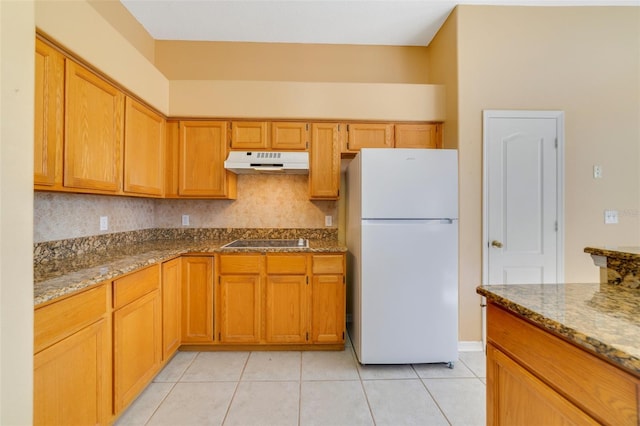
column 622, row 264
column 629, row 253
column 60, row 277
column 601, row 318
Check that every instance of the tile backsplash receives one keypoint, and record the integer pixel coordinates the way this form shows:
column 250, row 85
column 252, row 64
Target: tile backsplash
column 264, row 201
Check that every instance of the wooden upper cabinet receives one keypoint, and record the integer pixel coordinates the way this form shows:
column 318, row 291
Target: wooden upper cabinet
column 324, row 160
column 289, row 136
column 202, row 151
column 418, row 135
column 144, row 148
column 93, row 131
column 369, row 135
column 249, row 135
column 49, row 120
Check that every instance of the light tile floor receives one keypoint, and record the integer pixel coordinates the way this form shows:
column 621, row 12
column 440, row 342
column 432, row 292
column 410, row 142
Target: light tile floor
column 309, row 388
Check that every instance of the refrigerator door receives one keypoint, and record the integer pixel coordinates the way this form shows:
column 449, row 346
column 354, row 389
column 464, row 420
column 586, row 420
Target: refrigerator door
column 408, row 292
column 409, row 183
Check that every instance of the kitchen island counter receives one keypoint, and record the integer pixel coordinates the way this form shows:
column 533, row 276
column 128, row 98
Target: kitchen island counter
column 57, row 278
column 603, row 319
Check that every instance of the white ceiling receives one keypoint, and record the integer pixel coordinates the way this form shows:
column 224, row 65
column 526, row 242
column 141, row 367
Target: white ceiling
column 373, row 22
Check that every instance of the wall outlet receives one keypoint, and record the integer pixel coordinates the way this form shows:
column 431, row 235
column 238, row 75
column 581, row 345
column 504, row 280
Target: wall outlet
column 328, row 220
column 104, row 223
column 610, row 216
column 597, row 172
column 185, row 220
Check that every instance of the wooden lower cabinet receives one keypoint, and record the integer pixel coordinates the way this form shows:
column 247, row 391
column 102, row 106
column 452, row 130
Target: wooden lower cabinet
column 328, row 295
column 287, row 299
column 536, row 378
column 523, row 399
column 284, row 298
column 240, row 283
column 197, row 299
column 137, row 334
column 171, row 307
column 72, row 360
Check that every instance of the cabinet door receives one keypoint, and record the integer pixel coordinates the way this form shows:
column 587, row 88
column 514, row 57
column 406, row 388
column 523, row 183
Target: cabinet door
column 93, row 131
column 137, row 347
column 287, row 306
column 249, row 135
column 328, row 299
column 516, row 397
column 171, row 300
column 289, row 136
column 72, row 379
column 324, row 161
column 203, row 149
column 418, row 135
column 144, row 149
column 369, row 135
column 287, row 297
column 48, row 109
column 328, row 309
column 240, row 308
column 197, row 299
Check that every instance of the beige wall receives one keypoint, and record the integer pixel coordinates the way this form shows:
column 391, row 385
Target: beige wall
column 184, row 60
column 443, row 63
column 114, row 12
column 80, row 28
column 584, row 61
column 16, row 189
column 284, row 99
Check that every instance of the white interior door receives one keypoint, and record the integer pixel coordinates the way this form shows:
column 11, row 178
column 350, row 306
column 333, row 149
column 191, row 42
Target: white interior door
column 523, row 197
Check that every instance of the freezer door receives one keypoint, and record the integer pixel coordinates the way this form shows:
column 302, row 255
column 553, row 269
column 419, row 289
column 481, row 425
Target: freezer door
column 409, row 183
column 408, row 292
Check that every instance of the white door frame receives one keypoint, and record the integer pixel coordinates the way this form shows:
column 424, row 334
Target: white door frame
column 559, row 117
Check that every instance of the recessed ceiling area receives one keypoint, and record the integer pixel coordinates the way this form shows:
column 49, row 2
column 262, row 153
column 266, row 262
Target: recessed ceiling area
column 365, row 22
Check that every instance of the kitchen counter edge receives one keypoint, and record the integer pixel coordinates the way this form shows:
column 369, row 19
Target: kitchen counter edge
column 60, row 279
column 593, row 341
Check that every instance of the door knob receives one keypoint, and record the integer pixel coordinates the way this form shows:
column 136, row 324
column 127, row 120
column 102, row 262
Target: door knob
column 496, row 243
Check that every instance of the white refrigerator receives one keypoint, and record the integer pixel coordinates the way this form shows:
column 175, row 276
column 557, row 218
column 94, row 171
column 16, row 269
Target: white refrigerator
column 402, row 236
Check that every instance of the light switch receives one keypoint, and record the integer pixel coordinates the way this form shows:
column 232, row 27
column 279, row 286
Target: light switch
column 104, row 223
column 328, row 220
column 185, row 220
column 610, row 216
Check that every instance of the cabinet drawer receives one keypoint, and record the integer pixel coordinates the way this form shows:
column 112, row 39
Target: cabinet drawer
column 603, row 391
column 135, row 285
column 328, row 264
column 61, row 319
column 240, row 264
column 287, row 264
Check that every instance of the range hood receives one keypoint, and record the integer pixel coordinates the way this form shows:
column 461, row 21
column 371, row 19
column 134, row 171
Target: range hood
column 274, row 162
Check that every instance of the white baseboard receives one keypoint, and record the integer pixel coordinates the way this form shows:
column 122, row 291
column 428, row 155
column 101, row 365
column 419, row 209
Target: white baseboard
column 470, row 346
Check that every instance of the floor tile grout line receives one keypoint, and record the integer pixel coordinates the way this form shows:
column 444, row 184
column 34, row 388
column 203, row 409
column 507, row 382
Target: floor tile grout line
column 235, row 390
column 300, row 391
column 435, row 401
column 170, row 390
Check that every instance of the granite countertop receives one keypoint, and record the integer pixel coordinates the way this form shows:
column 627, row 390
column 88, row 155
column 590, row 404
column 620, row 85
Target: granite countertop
column 629, row 253
column 601, row 318
column 57, row 278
